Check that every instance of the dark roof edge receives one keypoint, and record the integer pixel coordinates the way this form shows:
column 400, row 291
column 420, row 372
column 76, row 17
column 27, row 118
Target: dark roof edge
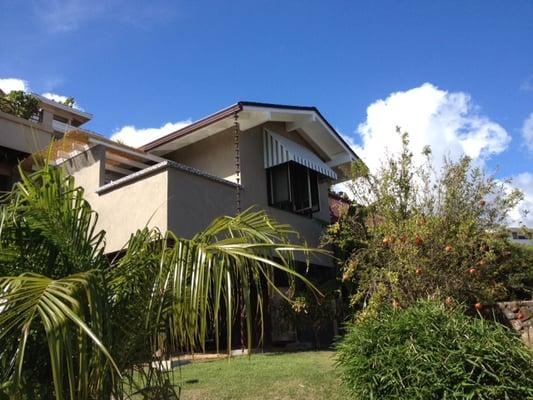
column 304, row 108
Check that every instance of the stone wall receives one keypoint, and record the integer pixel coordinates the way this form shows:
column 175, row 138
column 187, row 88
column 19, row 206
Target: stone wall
column 518, row 315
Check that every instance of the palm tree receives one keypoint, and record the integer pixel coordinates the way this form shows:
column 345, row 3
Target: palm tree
column 93, row 326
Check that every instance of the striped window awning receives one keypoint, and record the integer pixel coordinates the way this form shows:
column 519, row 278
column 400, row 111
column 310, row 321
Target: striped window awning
column 278, row 150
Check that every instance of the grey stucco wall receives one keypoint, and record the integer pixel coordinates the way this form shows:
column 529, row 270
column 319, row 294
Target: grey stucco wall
column 129, row 207
column 194, row 201
column 23, row 135
column 214, row 155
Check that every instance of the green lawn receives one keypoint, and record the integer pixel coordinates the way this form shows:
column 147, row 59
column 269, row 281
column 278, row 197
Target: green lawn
column 305, row 375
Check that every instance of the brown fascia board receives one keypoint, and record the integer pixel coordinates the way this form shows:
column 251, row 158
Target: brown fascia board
column 193, row 127
column 235, row 109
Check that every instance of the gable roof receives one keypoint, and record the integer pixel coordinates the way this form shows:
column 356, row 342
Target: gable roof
column 230, row 111
column 308, row 121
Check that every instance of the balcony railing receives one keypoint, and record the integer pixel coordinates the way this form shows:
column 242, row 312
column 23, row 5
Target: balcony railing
column 61, row 126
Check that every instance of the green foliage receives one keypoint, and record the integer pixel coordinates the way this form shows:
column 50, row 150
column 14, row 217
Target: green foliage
column 69, row 102
column 308, row 310
column 418, row 232
column 20, row 104
column 52, row 268
column 429, row 351
column 74, row 325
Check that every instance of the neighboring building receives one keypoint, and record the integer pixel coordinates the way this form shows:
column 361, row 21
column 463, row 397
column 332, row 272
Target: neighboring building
column 21, row 137
column 339, row 203
column 288, row 159
column 521, row 236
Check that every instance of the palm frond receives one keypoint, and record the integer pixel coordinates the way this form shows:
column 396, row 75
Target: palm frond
column 228, row 265
column 47, row 222
column 66, row 305
column 70, row 312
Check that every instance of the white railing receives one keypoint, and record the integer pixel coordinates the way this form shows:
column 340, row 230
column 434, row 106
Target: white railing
column 62, row 127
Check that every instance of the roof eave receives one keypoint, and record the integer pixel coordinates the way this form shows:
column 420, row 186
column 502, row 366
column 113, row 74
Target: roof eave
column 219, row 115
column 82, row 114
column 236, row 108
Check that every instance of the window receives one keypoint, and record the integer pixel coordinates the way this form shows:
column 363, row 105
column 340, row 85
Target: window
column 59, row 118
column 293, row 187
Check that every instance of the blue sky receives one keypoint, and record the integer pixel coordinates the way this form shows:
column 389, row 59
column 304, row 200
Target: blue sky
column 144, row 64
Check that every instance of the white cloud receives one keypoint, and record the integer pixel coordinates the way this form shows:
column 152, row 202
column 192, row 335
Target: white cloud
column 527, row 132
column 9, row 84
column 449, row 122
column 134, row 137
column 523, row 214
column 60, row 99
column 56, row 97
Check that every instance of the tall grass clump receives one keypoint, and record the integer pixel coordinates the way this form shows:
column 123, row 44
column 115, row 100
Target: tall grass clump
column 432, row 351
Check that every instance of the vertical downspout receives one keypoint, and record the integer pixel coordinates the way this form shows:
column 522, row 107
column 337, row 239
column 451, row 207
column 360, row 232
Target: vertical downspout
column 237, row 150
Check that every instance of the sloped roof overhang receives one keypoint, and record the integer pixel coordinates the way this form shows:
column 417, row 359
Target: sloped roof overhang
column 308, row 121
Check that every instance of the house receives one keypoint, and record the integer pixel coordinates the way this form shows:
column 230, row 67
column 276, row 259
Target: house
column 339, row 203
column 21, row 137
column 521, row 235
column 280, row 158
column 283, row 159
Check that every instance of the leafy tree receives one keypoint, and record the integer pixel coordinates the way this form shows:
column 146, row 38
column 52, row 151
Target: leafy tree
column 96, row 328
column 69, row 102
column 415, row 232
column 20, row 104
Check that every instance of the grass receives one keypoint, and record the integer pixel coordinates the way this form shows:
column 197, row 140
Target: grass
column 305, row 375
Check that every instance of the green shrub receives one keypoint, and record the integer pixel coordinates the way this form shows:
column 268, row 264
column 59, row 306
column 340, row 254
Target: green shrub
column 430, row 351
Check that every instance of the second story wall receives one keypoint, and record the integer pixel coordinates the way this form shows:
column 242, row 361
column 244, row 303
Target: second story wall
column 164, row 196
column 194, row 201
column 214, row 155
column 123, row 209
column 254, row 181
column 22, row 135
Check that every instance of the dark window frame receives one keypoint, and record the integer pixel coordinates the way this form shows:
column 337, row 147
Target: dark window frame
column 292, row 170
